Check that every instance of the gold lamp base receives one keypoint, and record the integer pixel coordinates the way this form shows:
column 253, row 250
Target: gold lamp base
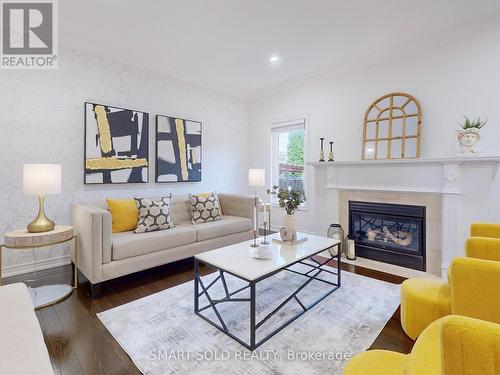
column 42, row 223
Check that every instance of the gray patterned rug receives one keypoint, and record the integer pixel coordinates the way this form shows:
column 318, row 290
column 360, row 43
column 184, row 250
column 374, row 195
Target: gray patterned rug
column 162, row 335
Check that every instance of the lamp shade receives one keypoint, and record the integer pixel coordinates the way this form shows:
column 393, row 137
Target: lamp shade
column 41, row 179
column 257, row 177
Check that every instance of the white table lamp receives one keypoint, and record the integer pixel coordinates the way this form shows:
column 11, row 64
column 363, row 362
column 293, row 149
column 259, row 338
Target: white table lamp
column 41, row 179
column 257, row 177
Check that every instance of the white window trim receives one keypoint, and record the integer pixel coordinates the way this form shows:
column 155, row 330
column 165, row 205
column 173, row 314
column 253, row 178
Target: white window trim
column 290, row 121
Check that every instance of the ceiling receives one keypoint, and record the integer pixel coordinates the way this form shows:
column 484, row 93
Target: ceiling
column 226, row 44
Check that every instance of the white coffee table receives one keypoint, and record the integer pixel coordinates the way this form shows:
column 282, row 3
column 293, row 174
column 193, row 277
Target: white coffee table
column 236, row 260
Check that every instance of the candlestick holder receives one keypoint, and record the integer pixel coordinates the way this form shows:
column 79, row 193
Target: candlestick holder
column 254, row 244
column 265, row 241
column 321, row 152
column 330, row 154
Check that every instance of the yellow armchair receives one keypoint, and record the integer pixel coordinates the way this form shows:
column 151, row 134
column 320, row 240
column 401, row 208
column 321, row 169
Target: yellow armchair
column 472, row 290
column 485, row 230
column 423, row 300
column 483, row 248
column 475, row 285
column 452, row 345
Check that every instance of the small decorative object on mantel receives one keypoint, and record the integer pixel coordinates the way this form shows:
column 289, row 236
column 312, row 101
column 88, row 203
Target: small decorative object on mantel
column 321, row 152
column 330, row 154
column 289, row 200
column 469, row 135
column 392, row 128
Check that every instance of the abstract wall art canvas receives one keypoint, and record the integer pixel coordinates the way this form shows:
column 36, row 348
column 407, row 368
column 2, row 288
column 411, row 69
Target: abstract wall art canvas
column 116, row 145
column 178, row 150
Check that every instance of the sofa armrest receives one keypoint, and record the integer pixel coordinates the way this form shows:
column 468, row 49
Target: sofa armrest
column 470, row 346
column 93, row 227
column 483, row 248
column 485, row 230
column 237, row 205
column 474, row 288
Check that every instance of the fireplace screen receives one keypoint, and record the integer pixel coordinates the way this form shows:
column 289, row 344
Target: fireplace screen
column 390, row 233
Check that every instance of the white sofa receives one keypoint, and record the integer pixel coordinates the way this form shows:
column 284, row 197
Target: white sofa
column 22, row 349
column 103, row 255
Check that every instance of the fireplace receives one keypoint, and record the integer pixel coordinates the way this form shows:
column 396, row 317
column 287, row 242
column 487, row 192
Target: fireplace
column 391, row 233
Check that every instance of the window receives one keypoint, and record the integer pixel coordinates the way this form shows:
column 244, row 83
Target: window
column 288, row 144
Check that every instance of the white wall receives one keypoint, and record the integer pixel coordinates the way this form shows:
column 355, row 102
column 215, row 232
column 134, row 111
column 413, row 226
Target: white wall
column 42, row 120
column 460, row 78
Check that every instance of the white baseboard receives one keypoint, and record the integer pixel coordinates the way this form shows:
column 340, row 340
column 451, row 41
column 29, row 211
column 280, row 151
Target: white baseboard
column 44, row 264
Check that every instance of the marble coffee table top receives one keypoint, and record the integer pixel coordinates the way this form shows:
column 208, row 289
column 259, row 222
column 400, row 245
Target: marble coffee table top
column 238, row 260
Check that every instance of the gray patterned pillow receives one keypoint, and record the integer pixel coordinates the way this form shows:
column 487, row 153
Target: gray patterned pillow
column 154, row 214
column 205, row 208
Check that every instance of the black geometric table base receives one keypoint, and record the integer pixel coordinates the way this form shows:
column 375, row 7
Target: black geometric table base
column 316, row 269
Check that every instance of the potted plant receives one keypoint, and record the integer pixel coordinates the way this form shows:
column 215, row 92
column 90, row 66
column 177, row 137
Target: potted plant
column 469, row 135
column 289, row 200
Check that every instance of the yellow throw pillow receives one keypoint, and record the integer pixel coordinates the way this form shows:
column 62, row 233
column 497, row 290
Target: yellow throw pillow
column 124, row 214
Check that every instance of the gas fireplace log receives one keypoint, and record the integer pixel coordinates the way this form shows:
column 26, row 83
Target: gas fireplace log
column 404, row 239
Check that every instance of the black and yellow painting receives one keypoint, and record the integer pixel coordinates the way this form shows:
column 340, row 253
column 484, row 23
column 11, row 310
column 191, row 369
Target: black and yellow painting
column 116, row 145
column 178, row 150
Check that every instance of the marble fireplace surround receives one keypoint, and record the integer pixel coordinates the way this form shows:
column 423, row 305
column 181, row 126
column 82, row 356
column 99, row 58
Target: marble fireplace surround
column 434, row 183
column 432, row 203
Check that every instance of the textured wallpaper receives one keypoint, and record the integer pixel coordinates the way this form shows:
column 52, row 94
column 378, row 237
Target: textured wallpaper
column 42, row 121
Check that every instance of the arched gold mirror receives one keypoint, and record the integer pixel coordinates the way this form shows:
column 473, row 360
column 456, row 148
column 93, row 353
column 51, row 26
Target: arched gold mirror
column 392, row 128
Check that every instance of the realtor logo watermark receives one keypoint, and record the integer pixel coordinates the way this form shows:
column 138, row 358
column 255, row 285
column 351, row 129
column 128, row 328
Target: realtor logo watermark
column 29, row 34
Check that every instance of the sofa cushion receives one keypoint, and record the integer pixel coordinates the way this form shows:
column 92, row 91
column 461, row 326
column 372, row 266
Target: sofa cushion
column 123, row 214
column 205, row 208
column 228, row 225
column 181, row 208
column 154, row 214
column 130, row 244
column 22, row 348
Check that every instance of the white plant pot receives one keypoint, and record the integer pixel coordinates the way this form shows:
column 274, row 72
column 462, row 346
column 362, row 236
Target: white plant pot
column 289, row 230
column 468, row 140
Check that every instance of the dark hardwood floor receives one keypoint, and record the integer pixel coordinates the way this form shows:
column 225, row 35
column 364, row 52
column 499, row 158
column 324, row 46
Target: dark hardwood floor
column 79, row 344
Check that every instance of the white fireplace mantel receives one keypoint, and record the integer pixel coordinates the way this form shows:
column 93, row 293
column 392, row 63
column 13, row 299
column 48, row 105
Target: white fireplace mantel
column 420, row 176
column 443, row 160
column 430, row 175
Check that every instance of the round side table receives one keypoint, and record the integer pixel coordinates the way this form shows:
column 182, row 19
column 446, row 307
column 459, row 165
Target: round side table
column 22, row 239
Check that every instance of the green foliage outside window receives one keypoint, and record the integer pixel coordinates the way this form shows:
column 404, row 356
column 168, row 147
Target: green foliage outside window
column 295, row 151
column 296, row 148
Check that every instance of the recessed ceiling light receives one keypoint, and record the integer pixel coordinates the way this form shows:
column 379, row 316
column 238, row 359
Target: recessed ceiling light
column 274, row 60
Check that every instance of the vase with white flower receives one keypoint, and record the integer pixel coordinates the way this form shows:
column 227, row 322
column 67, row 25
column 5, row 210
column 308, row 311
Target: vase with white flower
column 289, row 200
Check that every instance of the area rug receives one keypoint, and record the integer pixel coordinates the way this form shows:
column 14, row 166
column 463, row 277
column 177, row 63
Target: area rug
column 162, row 335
